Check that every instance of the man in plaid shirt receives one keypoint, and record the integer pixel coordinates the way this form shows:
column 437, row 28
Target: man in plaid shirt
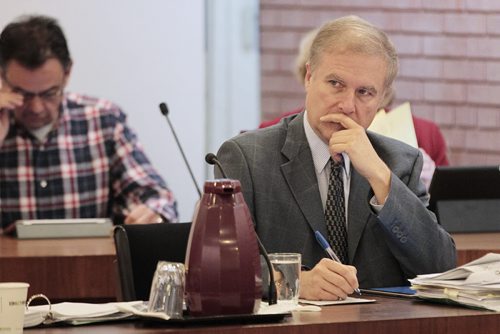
column 64, row 155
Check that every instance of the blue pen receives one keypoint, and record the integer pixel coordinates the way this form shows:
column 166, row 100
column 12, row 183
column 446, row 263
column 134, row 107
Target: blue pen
column 328, row 249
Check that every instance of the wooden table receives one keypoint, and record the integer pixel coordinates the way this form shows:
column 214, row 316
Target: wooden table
column 62, row 269
column 386, row 316
column 84, row 269
column 471, row 246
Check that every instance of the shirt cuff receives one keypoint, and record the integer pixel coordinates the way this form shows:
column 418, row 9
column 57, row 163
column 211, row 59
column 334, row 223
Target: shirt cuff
column 374, row 204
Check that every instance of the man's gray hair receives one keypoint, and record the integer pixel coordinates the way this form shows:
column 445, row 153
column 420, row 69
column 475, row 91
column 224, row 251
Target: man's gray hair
column 353, row 34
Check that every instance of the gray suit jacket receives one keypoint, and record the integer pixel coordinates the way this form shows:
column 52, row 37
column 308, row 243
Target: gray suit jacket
column 276, row 171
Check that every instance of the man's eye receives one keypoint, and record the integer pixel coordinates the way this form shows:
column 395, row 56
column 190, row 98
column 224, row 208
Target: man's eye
column 49, row 94
column 335, row 83
column 26, row 95
column 365, row 92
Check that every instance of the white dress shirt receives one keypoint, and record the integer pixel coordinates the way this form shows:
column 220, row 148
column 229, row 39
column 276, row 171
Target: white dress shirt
column 321, row 158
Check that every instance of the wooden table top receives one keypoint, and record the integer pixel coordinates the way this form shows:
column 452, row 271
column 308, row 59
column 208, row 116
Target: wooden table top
column 471, row 246
column 11, row 247
column 386, row 316
column 466, row 241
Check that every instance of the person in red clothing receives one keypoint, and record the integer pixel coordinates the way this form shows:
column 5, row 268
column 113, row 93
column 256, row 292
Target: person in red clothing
column 429, row 138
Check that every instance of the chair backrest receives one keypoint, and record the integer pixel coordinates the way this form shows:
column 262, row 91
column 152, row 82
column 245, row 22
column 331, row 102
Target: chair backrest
column 138, row 250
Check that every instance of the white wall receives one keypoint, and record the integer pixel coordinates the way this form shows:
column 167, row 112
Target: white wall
column 138, row 54
column 233, row 76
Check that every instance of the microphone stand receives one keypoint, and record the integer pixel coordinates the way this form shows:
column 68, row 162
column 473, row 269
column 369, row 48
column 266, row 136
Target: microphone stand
column 164, row 111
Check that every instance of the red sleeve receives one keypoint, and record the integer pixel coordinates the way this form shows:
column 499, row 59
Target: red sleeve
column 277, row 119
column 431, row 140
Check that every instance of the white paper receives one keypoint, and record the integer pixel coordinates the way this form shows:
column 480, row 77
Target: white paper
column 475, row 284
column 397, row 124
column 349, row 300
column 73, row 313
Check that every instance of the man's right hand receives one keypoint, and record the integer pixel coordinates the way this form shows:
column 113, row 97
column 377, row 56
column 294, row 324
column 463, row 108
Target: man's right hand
column 8, row 101
column 328, row 280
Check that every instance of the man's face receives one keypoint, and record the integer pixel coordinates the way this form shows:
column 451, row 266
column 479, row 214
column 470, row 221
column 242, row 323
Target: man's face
column 41, row 89
column 348, row 83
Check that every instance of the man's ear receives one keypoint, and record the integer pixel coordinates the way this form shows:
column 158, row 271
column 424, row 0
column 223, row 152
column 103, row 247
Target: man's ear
column 67, row 73
column 307, row 79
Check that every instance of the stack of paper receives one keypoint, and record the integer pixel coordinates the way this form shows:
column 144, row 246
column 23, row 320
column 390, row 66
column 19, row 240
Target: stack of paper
column 475, row 284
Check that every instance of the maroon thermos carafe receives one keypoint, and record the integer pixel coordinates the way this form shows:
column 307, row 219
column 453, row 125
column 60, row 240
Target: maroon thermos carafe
column 223, row 274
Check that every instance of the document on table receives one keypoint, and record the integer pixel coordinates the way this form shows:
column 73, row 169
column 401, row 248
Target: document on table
column 73, row 313
column 349, row 300
column 392, row 291
column 475, row 284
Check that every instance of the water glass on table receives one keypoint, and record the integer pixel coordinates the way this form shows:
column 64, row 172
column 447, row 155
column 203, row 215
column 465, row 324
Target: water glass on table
column 286, row 268
column 167, row 289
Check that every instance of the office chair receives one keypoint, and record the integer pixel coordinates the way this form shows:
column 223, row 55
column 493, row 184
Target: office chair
column 138, row 250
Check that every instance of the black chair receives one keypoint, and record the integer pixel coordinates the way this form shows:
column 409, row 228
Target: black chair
column 138, row 250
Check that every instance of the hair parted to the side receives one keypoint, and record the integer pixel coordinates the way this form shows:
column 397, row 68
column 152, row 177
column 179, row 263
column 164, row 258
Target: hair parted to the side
column 32, row 40
column 353, row 34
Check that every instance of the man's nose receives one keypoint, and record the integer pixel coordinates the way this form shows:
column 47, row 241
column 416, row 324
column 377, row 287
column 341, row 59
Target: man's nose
column 36, row 104
column 347, row 101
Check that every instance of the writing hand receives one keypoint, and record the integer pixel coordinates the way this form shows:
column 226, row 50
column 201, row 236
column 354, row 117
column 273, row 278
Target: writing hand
column 328, row 280
column 141, row 214
column 354, row 141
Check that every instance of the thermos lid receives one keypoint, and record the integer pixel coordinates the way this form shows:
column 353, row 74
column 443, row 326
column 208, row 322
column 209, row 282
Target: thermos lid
column 222, row 186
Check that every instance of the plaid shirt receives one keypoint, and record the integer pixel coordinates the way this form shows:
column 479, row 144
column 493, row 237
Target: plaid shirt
column 90, row 165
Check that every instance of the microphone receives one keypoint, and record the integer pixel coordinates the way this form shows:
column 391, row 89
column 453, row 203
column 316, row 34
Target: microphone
column 272, row 297
column 164, row 111
column 211, row 159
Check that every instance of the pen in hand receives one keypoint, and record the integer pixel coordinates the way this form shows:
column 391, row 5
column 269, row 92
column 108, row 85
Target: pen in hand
column 328, row 249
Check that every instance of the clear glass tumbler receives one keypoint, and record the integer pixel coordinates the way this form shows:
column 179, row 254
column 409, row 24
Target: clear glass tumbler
column 167, row 289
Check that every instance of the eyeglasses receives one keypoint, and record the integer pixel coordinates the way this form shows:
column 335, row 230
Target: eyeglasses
column 50, row 95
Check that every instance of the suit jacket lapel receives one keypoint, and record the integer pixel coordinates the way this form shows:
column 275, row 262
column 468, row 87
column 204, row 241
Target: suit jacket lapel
column 300, row 175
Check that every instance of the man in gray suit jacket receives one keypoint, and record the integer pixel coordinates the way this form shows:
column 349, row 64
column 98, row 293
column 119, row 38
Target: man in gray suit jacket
column 283, row 172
